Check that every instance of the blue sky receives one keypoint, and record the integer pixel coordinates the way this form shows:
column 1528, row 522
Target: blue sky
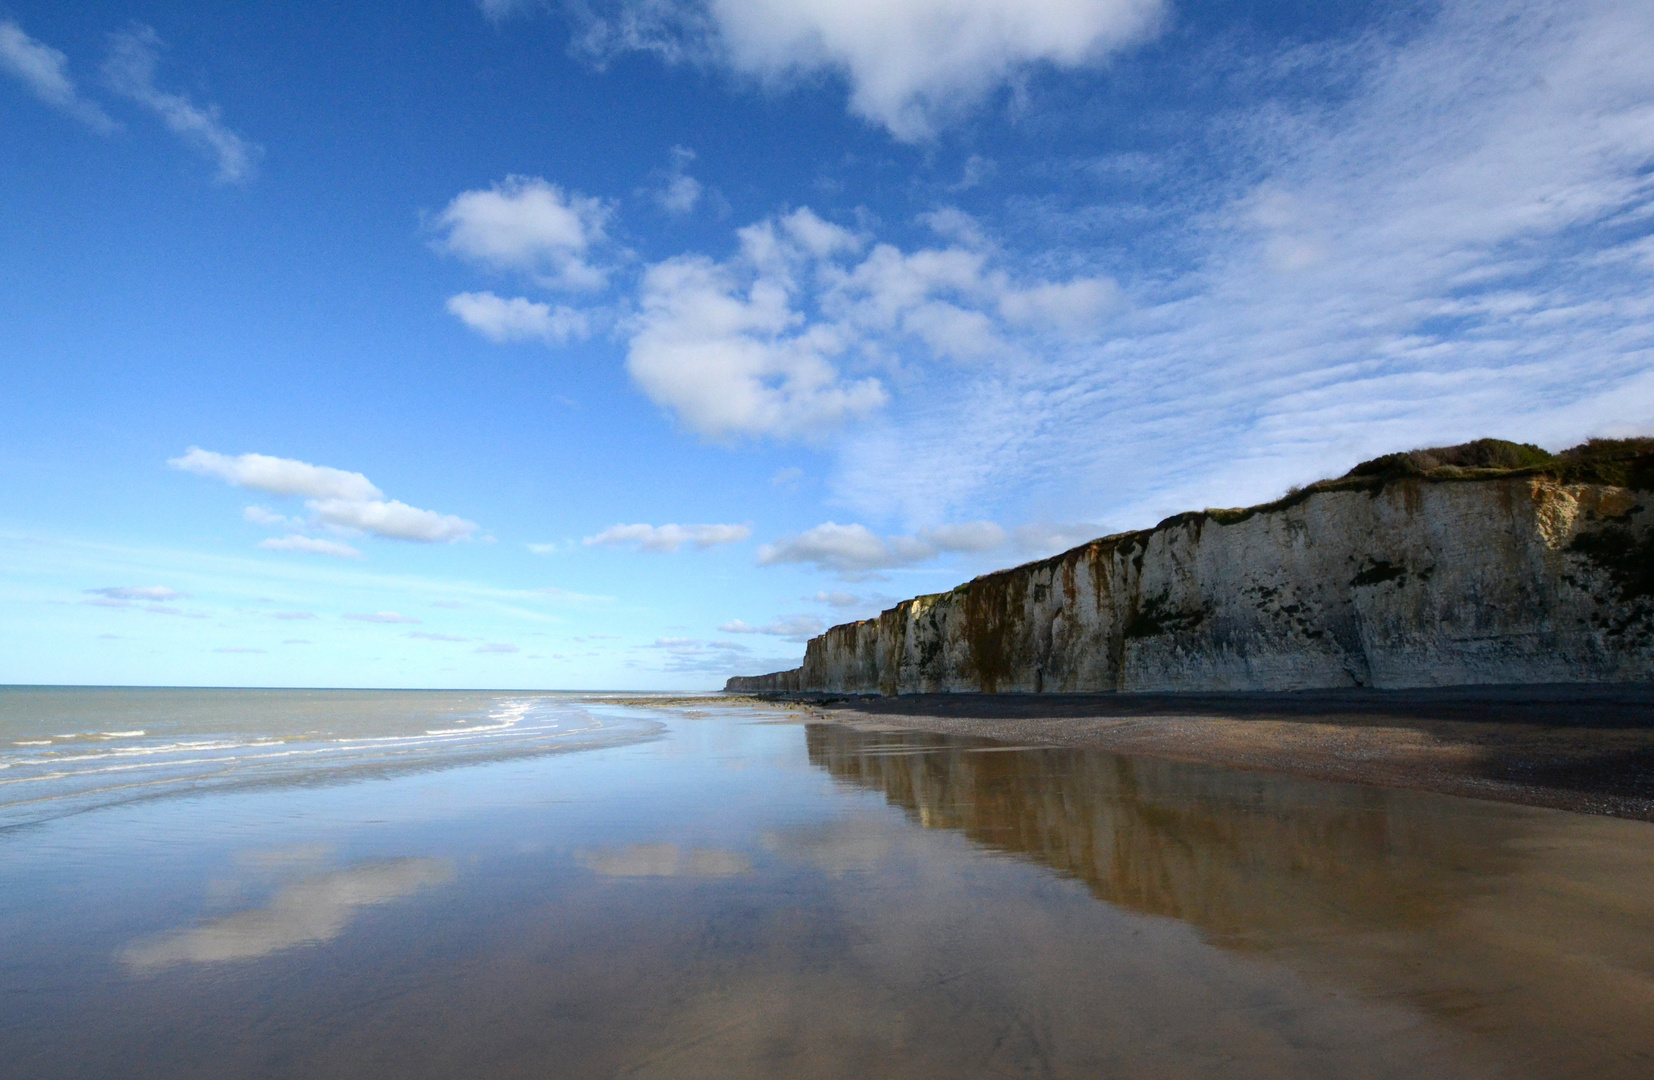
column 625, row 344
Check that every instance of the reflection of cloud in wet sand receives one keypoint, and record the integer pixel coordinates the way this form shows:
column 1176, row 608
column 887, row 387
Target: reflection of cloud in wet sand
column 836, row 849
column 665, row 860
column 307, row 912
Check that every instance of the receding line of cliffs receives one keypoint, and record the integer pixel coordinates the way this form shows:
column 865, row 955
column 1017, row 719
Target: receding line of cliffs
column 1489, row 562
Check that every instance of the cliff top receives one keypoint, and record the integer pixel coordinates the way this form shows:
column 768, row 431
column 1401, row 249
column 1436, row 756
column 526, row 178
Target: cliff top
column 1620, row 462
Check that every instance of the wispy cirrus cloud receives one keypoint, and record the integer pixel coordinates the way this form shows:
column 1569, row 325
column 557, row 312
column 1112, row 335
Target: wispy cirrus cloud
column 44, row 72
column 129, row 70
column 156, row 593
column 380, row 617
column 1450, row 241
column 310, row 545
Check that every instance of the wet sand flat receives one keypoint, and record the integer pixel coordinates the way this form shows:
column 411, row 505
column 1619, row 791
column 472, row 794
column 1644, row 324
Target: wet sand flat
column 1589, row 749
column 710, row 889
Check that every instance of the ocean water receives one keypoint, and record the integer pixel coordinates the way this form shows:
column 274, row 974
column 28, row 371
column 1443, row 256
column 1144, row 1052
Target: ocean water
column 358, row 884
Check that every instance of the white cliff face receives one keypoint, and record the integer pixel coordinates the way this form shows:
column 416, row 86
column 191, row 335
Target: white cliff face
column 1519, row 579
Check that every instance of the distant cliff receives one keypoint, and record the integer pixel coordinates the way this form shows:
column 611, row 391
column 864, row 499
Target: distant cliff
column 1491, row 562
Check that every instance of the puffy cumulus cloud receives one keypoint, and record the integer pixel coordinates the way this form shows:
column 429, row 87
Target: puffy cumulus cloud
column 339, row 500
column 503, row 320
column 758, row 345
column 278, row 476
column 855, row 551
column 911, row 65
column 669, row 537
column 381, row 617
column 129, row 70
column 156, row 593
column 310, row 545
column 529, row 226
column 793, row 628
column 44, row 71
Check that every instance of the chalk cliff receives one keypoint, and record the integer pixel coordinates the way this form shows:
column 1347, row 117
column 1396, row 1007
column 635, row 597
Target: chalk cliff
column 1491, row 562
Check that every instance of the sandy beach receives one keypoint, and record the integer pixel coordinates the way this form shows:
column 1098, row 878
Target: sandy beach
column 1588, row 749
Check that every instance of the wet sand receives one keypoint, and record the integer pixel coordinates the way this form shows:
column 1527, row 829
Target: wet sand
column 1588, row 749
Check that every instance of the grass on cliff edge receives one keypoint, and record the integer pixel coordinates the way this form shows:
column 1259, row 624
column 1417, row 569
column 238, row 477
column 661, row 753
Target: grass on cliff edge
column 1625, row 463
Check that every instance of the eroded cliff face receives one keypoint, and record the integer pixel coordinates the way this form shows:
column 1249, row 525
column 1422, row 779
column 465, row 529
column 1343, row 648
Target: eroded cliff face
column 1405, row 582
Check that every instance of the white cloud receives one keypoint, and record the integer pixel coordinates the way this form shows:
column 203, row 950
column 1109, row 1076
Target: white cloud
column 496, row 647
column 526, row 225
column 423, row 636
column 793, row 627
column 263, row 515
column 140, row 592
column 787, row 477
column 911, row 65
column 836, row 598
column 237, row 649
column 1048, row 538
column 336, row 498
column 278, row 476
column 130, row 72
column 854, row 550
column 381, row 617
column 502, row 320
column 757, row 345
column 966, row 536
column 670, row 537
column 310, row 545
column 45, row 72
column 394, row 519
column 1449, row 243
column 680, row 192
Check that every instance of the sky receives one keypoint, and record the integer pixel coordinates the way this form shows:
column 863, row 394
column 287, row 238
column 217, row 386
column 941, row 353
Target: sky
column 625, row 344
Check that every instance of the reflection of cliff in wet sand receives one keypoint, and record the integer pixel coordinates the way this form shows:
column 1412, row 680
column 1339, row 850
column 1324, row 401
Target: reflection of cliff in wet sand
column 1495, row 566
column 1531, row 924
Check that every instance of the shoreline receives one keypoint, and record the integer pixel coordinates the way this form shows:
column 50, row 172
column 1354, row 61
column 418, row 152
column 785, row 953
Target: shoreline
column 1586, row 749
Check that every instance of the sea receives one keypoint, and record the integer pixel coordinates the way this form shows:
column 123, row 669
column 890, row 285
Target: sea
column 410, row 884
